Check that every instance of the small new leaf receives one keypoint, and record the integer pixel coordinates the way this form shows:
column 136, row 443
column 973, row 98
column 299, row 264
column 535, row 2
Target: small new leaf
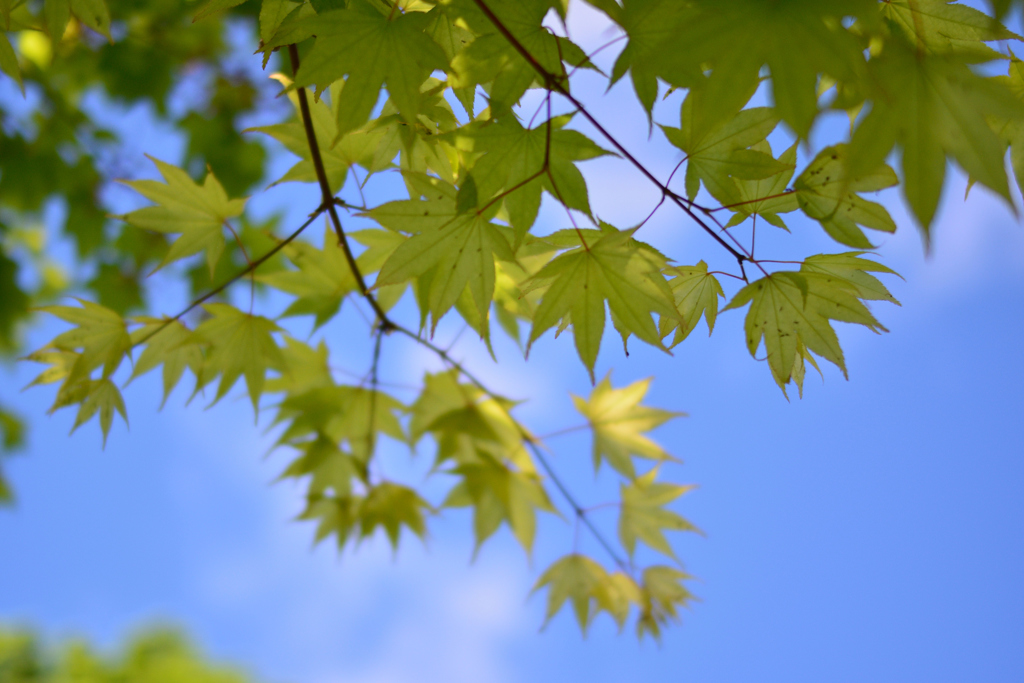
column 240, row 344
column 575, row 578
column 390, row 507
column 644, row 517
column 696, row 293
column 101, row 396
column 619, row 423
column 198, row 212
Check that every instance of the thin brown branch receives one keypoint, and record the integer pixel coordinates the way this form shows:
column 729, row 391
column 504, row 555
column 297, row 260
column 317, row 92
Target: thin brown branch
column 752, row 201
column 328, row 196
column 235, row 278
column 248, row 262
column 552, row 82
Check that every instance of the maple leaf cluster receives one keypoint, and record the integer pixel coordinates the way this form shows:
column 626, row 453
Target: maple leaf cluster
column 435, row 91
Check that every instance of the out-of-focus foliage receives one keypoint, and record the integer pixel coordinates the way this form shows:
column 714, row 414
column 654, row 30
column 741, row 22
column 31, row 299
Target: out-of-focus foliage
column 436, row 91
column 157, row 656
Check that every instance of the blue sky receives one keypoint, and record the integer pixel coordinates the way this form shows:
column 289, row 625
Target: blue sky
column 869, row 531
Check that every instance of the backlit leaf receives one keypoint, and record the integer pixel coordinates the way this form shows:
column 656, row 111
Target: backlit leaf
column 619, row 422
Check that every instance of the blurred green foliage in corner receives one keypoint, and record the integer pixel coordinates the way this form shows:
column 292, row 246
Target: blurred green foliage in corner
column 156, row 656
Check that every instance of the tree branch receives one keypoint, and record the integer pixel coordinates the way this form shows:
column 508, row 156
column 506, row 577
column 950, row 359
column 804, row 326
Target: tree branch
column 328, row 197
column 552, row 82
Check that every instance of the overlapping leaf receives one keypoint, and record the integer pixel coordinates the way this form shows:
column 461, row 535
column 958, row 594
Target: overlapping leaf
column 457, row 248
column 198, row 212
column 492, row 59
column 767, row 197
column 612, row 269
column 718, row 156
column 932, row 107
column 322, row 281
column 99, row 339
column 240, row 344
column 499, row 494
column 827, row 193
column 372, row 50
column 643, row 515
column 696, row 294
column 171, row 344
column 945, row 26
column 523, row 161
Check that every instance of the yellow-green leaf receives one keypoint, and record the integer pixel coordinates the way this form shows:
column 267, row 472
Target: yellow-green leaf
column 619, row 423
column 198, row 212
column 643, row 515
column 575, row 578
column 240, row 344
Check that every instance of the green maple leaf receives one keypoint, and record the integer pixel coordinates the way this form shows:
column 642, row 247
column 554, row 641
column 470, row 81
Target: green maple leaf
column 765, row 197
column 60, row 365
column 932, row 106
column 619, row 422
column 100, row 338
column 342, row 413
column 579, row 282
column 650, row 24
column 392, row 506
column 719, row 155
column 616, row 594
column 329, row 468
column 769, row 33
column 662, row 594
column 198, row 212
column 101, row 396
column 421, row 146
column 364, row 146
column 240, row 344
column 1011, row 132
column 322, row 281
column 499, row 494
column 643, row 515
column 491, row 58
column 944, row 26
column 696, row 293
column 272, row 15
column 372, row 50
column 511, row 158
column 168, row 343
column 458, row 249
column 575, row 578
column 827, row 193
column 855, row 271
column 336, row 515
column 791, row 312
column 468, row 425
column 305, row 368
